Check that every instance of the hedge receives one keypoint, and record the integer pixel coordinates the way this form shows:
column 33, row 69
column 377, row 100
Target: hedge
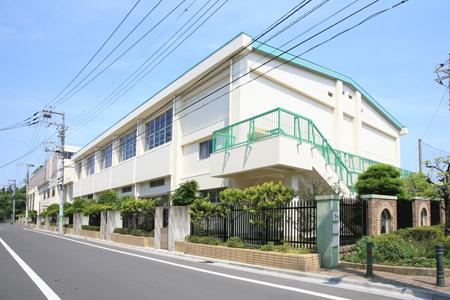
column 91, row 228
column 135, row 232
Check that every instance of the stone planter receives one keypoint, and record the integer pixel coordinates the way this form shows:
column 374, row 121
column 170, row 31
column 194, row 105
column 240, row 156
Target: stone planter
column 90, row 234
column 52, row 228
column 297, row 262
column 139, row 241
column 68, row 230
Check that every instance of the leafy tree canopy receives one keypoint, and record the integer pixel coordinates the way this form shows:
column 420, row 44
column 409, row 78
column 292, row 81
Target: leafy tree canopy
column 379, row 179
column 185, row 194
column 418, row 185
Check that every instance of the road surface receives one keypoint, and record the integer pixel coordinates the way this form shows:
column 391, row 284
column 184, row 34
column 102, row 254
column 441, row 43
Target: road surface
column 39, row 265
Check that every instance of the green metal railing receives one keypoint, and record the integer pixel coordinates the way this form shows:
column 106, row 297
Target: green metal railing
column 282, row 122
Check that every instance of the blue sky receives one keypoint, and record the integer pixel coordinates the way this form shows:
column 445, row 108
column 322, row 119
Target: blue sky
column 43, row 44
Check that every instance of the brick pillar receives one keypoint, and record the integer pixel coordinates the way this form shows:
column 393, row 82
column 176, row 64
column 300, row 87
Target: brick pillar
column 419, row 204
column 376, row 204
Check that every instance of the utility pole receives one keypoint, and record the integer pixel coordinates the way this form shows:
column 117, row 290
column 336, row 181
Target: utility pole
column 443, row 74
column 13, row 217
column 27, row 203
column 61, row 127
column 420, row 156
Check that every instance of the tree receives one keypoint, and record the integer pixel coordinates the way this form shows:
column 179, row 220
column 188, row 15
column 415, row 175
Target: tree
column 440, row 169
column 379, row 179
column 185, row 194
column 418, row 185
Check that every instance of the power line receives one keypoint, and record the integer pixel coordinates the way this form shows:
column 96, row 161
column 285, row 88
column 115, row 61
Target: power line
column 78, row 88
column 271, row 27
column 139, row 136
column 435, row 148
column 96, row 53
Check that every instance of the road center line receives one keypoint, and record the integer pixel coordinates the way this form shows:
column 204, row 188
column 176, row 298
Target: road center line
column 45, row 289
column 259, row 282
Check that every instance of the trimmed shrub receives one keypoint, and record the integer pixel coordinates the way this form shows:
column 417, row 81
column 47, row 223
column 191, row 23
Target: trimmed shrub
column 90, row 227
column 379, row 179
column 68, row 225
column 207, row 240
column 185, row 194
column 235, row 242
column 134, row 232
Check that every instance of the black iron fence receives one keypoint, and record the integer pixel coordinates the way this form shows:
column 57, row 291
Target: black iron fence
column 435, row 212
column 293, row 224
column 139, row 221
column 404, row 214
column 352, row 220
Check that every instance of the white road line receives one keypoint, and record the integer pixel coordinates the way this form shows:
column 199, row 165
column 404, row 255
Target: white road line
column 259, row 282
column 45, row 289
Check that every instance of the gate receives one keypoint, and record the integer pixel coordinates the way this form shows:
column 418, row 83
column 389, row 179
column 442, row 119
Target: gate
column 353, row 220
column 435, row 212
column 404, row 214
column 165, row 229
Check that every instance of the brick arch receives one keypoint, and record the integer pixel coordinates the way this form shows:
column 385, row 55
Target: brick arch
column 393, row 214
column 418, row 206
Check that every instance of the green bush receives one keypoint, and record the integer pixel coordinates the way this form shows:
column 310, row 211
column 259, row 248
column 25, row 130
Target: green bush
column 379, row 179
column 53, row 224
column 185, row 194
column 42, row 222
column 406, row 247
column 207, row 240
column 90, row 227
column 270, row 246
column 235, row 242
column 68, row 225
column 134, row 232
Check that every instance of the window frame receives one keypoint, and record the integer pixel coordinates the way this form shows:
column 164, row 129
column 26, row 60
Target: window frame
column 209, row 148
column 158, row 131
column 89, row 168
column 127, row 147
column 103, row 157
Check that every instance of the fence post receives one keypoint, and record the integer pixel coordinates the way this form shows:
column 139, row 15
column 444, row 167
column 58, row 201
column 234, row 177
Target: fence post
column 224, row 237
column 369, row 270
column 440, row 272
column 327, row 237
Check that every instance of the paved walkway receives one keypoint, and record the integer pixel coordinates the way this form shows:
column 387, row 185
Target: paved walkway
column 413, row 281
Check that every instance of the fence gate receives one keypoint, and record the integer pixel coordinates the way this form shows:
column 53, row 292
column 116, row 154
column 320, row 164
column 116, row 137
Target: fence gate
column 404, row 214
column 353, row 220
column 435, row 212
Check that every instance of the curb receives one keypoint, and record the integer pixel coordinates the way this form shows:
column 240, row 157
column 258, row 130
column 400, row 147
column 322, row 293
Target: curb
column 296, row 275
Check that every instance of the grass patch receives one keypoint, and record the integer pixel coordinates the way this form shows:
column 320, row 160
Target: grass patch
column 412, row 247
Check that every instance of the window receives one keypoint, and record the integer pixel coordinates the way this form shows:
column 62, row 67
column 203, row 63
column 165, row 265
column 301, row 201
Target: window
column 159, row 130
column 385, row 221
column 78, row 169
column 127, row 189
column 53, row 192
column 90, row 165
column 68, row 155
column 424, row 217
column 128, row 146
column 106, row 157
column 155, row 183
column 213, row 194
column 205, row 149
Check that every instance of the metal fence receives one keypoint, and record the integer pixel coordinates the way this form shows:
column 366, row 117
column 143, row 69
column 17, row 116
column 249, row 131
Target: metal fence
column 352, row 220
column 435, row 212
column 404, row 214
column 293, row 224
column 139, row 221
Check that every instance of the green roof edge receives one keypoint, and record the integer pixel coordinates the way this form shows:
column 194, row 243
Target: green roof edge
column 275, row 52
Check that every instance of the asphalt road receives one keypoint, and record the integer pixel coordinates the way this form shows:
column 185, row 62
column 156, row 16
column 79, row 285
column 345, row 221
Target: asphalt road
column 80, row 269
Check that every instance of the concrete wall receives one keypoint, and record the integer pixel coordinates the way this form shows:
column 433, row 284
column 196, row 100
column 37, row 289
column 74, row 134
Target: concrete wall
column 179, row 225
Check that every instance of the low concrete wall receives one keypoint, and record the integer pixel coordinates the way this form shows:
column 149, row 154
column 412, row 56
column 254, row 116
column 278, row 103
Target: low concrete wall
column 113, row 221
column 297, row 262
column 68, row 230
column 139, row 241
column 52, row 228
column 90, row 234
column 395, row 269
